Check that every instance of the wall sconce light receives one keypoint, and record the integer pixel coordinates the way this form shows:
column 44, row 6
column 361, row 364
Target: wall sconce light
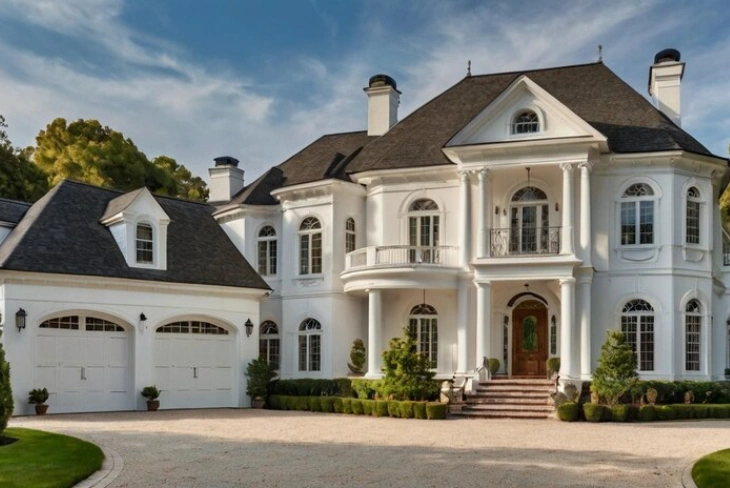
column 249, row 327
column 504, row 212
column 496, row 210
column 20, row 316
column 142, row 320
column 557, row 207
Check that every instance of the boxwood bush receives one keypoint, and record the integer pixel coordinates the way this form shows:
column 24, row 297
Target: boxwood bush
column 436, row 411
column 356, row 406
column 381, row 408
column 666, row 412
column 347, row 405
column 647, row 413
column 620, row 413
column 327, row 404
column 594, row 412
column 419, row 410
column 337, row 405
column 568, row 412
column 406, row 409
column 394, row 408
column 367, row 406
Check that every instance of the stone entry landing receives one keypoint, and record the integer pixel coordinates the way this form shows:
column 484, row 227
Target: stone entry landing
column 510, row 398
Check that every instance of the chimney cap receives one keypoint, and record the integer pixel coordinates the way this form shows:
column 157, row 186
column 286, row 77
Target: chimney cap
column 382, row 80
column 666, row 55
column 226, row 161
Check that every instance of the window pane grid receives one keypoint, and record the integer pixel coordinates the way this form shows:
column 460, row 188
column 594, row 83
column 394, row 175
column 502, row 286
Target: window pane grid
column 423, row 328
column 144, row 243
column 67, row 323
column 693, row 328
column 646, row 357
column 693, row 222
column 191, row 327
column 646, row 222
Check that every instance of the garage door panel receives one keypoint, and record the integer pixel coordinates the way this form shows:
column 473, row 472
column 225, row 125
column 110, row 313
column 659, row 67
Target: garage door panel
column 71, row 376
column 116, row 379
column 71, row 349
column 116, row 351
column 45, row 375
column 222, row 378
column 96, row 349
column 94, row 377
column 46, row 350
column 69, row 401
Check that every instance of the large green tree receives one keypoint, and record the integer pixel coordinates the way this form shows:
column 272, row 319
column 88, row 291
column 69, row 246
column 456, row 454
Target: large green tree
column 20, row 179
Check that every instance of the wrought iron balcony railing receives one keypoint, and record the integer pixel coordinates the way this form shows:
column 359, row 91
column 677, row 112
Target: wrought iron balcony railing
column 521, row 241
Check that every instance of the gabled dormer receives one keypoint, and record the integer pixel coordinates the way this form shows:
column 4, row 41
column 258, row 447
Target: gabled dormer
column 139, row 226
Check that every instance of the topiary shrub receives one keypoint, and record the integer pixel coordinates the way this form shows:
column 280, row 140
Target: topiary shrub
column 493, row 365
column 419, row 410
column 594, row 412
column 647, row 413
column 347, row 405
column 666, row 412
column 337, row 405
column 406, row 409
column 394, row 409
column 6, row 392
column 356, row 406
column 620, row 413
column 367, row 406
column 260, row 374
column 408, row 372
column 436, row 411
column 315, row 404
column 357, row 356
column 616, row 372
column 568, row 412
column 552, row 365
column 380, row 409
column 366, row 389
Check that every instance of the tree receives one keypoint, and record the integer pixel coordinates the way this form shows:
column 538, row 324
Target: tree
column 6, row 393
column 187, row 185
column 616, row 372
column 20, row 179
column 407, row 371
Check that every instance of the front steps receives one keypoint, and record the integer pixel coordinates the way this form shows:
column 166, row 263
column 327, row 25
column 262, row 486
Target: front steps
column 509, row 398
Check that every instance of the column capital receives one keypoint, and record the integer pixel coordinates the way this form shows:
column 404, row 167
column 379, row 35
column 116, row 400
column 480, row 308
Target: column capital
column 566, row 167
column 483, row 284
column 586, row 165
column 483, row 174
column 567, row 281
column 464, row 175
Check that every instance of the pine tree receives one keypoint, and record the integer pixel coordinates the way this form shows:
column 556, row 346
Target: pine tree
column 616, row 373
column 407, row 371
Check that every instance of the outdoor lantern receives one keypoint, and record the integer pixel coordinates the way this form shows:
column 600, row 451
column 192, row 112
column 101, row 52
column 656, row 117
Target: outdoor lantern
column 249, row 327
column 142, row 320
column 20, row 319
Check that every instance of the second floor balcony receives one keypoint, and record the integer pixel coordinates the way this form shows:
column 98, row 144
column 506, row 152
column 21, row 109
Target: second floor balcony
column 524, row 241
column 402, row 256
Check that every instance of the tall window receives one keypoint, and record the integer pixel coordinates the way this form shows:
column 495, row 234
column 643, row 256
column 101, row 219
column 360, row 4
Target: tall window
column 637, row 325
column 693, row 216
column 267, row 251
column 553, row 336
column 530, row 222
column 144, row 243
column 269, row 345
column 350, row 242
column 637, row 215
column 693, row 329
column 525, row 122
column 423, row 327
column 310, row 246
column 310, row 345
column 423, row 231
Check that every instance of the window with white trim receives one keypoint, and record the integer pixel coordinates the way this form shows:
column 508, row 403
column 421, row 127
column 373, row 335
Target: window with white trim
column 423, row 327
column 76, row 322
column 269, row 343
column 310, row 246
column 191, row 327
column 692, row 338
column 692, row 220
column 310, row 345
column 267, row 245
column 350, row 236
column 144, row 244
column 525, row 122
column 424, row 227
column 637, row 215
column 637, row 325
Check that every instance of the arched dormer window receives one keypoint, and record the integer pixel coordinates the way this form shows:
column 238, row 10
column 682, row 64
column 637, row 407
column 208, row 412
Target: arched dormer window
column 637, row 215
column 350, row 235
column 144, row 244
column 525, row 122
column 423, row 327
column 310, row 246
column 424, row 227
column 310, row 345
column 693, row 216
column 692, row 335
column 637, row 325
column 267, row 251
column 269, row 343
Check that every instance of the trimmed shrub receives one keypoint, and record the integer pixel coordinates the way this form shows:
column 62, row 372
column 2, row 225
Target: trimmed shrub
column 366, row 389
column 684, row 411
column 620, row 413
column 368, row 406
column 632, row 412
column 302, row 404
column 347, row 405
column 357, row 356
column 568, row 412
column 343, row 387
column 291, row 403
column 406, row 409
column 647, row 413
column 337, row 405
column 356, row 406
column 552, row 365
column 436, row 411
column 616, row 372
column 273, row 402
column 380, row 409
column 326, row 404
column 701, row 411
column 407, row 372
column 666, row 412
column 311, row 387
column 594, row 412
column 419, row 410
column 394, row 409
column 720, row 411
column 6, row 392
column 315, row 404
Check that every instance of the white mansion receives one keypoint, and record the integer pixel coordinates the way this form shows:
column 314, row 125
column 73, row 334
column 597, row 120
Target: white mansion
column 516, row 216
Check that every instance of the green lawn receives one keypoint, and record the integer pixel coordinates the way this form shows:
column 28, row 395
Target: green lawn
column 713, row 470
column 44, row 460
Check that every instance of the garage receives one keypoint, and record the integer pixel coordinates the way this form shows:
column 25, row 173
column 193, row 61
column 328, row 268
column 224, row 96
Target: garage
column 84, row 363
column 194, row 365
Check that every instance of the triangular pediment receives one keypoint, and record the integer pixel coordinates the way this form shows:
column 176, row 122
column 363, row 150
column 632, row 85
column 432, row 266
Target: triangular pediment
column 132, row 205
column 497, row 122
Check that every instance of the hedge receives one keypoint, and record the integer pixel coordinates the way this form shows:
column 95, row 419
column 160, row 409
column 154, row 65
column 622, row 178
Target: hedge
column 376, row 408
column 436, row 411
column 594, row 412
column 356, row 406
column 672, row 392
column 569, row 412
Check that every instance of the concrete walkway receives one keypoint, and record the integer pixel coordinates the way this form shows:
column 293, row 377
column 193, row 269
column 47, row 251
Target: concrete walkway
column 233, row 448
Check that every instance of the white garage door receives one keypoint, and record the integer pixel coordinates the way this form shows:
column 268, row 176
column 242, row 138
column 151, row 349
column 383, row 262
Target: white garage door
column 194, row 365
column 83, row 361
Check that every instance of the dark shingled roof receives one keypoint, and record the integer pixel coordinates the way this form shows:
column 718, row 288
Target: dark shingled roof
column 119, row 204
column 12, row 211
column 61, row 233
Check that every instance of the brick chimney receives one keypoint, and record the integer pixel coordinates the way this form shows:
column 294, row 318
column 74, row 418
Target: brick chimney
column 226, row 179
column 383, row 101
column 665, row 80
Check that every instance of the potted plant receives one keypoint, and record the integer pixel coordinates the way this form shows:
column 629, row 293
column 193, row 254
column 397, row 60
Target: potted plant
column 151, row 393
column 260, row 373
column 38, row 397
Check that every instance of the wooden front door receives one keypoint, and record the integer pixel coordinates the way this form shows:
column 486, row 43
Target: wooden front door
column 529, row 339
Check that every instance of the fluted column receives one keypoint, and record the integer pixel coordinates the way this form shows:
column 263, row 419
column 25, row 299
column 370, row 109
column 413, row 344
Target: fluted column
column 484, row 317
column 465, row 219
column 566, row 244
column 585, row 212
column 375, row 318
column 482, row 237
column 462, row 326
column 585, row 326
column 567, row 334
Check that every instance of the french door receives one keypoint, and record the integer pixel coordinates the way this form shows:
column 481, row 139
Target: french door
column 529, row 229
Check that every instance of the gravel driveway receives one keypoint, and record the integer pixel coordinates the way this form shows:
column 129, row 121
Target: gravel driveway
column 233, row 448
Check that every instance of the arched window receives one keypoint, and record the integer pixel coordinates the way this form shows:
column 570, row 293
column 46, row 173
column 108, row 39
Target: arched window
column 530, row 223
column 637, row 215
column 191, row 327
column 424, row 227
column 637, row 325
column 693, row 216
column 310, row 345
column 350, row 236
column 310, row 246
column 144, row 244
column 525, row 122
column 693, row 330
column 76, row 322
column 267, row 251
column 269, row 345
column 423, row 327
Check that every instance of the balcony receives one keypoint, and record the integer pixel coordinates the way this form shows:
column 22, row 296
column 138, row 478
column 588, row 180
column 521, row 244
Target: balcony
column 524, row 241
column 402, row 256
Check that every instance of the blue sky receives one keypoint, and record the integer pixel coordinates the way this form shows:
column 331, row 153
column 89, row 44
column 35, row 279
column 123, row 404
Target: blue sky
column 258, row 80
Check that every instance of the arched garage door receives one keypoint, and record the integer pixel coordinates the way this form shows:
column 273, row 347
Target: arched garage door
column 83, row 361
column 195, row 365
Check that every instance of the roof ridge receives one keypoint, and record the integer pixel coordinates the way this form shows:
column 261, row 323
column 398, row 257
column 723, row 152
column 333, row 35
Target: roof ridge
column 535, row 70
column 123, row 192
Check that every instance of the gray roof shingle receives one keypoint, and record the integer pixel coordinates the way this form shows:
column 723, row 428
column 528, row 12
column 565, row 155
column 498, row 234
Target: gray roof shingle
column 12, row 211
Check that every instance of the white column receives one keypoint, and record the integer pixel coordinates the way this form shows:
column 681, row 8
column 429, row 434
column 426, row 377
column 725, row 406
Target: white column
column 484, row 317
column 585, row 212
column 462, row 318
column 465, row 222
column 566, row 244
column 482, row 237
column 585, row 327
column 567, row 335
column 375, row 317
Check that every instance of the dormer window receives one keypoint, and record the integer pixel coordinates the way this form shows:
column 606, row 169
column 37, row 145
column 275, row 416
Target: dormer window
column 525, row 122
column 145, row 244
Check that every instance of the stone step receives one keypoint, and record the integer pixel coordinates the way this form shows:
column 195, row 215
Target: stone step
column 495, row 414
column 517, row 381
column 507, row 401
column 503, row 407
column 509, row 394
column 525, row 389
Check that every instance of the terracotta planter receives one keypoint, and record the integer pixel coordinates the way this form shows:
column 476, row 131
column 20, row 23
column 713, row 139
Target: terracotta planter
column 153, row 405
column 41, row 409
column 258, row 403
